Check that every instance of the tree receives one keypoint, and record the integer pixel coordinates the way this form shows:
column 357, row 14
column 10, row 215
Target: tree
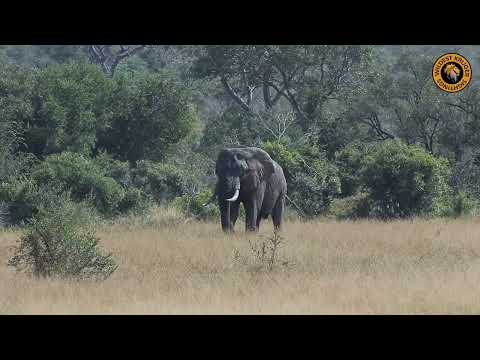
column 16, row 91
column 257, row 77
column 69, row 107
column 109, row 56
column 149, row 114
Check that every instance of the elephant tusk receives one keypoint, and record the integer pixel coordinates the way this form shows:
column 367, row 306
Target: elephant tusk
column 235, row 196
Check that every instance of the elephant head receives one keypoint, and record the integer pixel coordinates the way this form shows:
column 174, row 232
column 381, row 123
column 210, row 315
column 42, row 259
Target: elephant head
column 239, row 172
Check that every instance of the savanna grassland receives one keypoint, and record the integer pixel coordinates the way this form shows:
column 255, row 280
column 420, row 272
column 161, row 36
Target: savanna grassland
column 321, row 267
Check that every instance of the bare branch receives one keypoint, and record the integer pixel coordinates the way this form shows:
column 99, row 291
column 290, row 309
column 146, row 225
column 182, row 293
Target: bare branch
column 235, row 96
column 109, row 59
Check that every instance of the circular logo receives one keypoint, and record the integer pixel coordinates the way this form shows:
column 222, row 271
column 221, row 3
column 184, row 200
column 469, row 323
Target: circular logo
column 452, row 72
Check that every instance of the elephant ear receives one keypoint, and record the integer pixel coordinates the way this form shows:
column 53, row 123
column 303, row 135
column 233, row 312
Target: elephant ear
column 262, row 157
column 220, row 160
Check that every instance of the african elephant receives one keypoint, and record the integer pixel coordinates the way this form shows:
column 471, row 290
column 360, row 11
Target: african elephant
column 248, row 175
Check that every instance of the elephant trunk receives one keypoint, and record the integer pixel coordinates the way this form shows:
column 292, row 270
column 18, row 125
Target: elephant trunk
column 225, row 188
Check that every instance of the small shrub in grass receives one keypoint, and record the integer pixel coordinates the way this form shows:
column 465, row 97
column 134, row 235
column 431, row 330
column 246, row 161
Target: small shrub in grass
column 59, row 243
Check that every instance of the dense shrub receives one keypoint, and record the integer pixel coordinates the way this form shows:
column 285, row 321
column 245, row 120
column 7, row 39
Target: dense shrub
column 116, row 169
column 71, row 105
column 134, row 200
column 162, row 182
column 351, row 207
column 349, row 162
column 289, row 159
column 193, row 206
column 404, row 180
column 83, row 178
column 311, row 179
column 315, row 188
column 463, row 203
column 59, row 243
column 23, row 199
column 149, row 113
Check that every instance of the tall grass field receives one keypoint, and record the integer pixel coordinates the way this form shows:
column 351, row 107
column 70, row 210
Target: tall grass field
column 168, row 265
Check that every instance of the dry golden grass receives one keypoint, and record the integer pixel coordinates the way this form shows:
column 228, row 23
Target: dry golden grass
column 406, row 267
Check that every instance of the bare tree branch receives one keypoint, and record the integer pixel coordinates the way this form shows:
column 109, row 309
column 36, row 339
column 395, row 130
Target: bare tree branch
column 235, row 96
column 109, row 59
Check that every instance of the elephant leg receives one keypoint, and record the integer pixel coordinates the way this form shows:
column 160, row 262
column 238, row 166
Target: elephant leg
column 277, row 213
column 251, row 213
column 253, row 210
column 259, row 218
column 225, row 208
column 234, row 210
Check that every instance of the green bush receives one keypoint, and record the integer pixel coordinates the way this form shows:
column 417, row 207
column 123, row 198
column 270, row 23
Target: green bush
column 349, row 162
column 59, row 243
column 404, row 180
column 289, row 159
column 162, row 182
column 116, row 169
column 148, row 114
column 351, row 207
column 135, row 201
column 82, row 178
column 312, row 180
column 70, row 106
column 23, row 199
column 193, row 206
column 463, row 203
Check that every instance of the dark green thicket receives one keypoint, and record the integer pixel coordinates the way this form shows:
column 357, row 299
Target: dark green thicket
column 360, row 131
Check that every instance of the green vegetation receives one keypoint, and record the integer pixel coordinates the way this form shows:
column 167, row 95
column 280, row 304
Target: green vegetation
column 355, row 139
column 59, row 243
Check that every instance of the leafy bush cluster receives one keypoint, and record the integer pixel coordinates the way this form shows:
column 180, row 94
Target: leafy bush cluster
column 312, row 180
column 162, row 182
column 194, row 206
column 60, row 243
column 393, row 180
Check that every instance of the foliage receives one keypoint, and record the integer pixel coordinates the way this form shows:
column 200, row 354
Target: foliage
column 463, row 203
column 83, row 179
column 16, row 89
column 231, row 127
column 405, row 180
column 192, row 205
column 351, row 207
column 152, row 131
column 70, row 106
column 116, row 169
column 162, row 182
column 150, row 113
column 312, row 180
column 23, row 199
column 59, row 243
column 315, row 189
column 349, row 162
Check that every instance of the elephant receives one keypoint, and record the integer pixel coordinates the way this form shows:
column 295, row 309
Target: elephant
column 248, row 175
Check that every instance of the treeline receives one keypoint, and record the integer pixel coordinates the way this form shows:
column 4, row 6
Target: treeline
column 361, row 131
